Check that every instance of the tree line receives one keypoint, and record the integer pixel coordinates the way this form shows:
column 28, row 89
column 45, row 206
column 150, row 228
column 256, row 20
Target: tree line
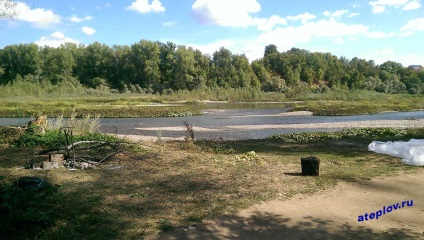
column 156, row 67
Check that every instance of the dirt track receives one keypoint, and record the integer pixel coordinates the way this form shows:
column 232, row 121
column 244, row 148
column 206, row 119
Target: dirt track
column 330, row 214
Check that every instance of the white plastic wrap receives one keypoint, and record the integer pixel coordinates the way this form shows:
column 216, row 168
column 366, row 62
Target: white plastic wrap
column 411, row 152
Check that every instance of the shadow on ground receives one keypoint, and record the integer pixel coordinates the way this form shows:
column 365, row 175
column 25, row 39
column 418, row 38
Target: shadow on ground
column 268, row 226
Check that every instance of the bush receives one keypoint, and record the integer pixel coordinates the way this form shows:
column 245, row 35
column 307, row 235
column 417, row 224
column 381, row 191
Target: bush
column 355, row 132
column 55, row 139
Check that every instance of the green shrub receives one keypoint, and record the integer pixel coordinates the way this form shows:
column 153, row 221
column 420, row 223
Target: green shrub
column 56, row 139
column 355, row 132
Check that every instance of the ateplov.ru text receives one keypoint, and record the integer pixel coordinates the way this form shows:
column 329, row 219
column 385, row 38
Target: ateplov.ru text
column 379, row 213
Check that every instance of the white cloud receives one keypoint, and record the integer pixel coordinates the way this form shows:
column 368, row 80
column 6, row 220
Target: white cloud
column 387, row 51
column 379, row 34
column 288, row 37
column 395, row 3
column 267, row 24
column 355, row 5
column 410, row 59
column 54, row 40
column 304, row 17
column 143, row 6
column 387, row 54
column 412, row 5
column 378, row 9
column 236, row 13
column 169, row 24
column 76, row 19
column 107, row 5
column 294, row 36
column 335, row 14
column 406, row 34
column 339, row 41
column 39, row 17
column 339, row 13
column 210, row 48
column 415, row 25
column 380, row 6
column 88, row 30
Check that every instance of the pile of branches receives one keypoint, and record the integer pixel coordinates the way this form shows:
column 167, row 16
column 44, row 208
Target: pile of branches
column 93, row 152
column 89, row 152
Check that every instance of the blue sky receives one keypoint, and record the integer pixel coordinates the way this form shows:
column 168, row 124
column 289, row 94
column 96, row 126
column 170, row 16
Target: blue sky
column 378, row 30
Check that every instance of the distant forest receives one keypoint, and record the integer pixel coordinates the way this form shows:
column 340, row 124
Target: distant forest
column 155, row 67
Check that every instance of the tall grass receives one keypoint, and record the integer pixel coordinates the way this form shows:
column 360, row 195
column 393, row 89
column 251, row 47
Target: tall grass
column 86, row 124
column 69, row 87
column 34, row 87
column 224, row 94
column 340, row 95
column 356, row 106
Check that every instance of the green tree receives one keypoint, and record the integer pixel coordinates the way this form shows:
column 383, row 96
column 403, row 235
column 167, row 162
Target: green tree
column 20, row 59
column 392, row 85
column 246, row 76
column 1, row 71
column 146, row 59
column 184, row 69
column 167, row 63
column 307, row 75
column 270, row 49
column 414, row 84
column 371, row 83
column 57, row 63
column 123, row 71
column 391, row 67
column 95, row 62
column 202, row 69
column 223, row 72
column 316, row 63
column 260, row 71
column 273, row 63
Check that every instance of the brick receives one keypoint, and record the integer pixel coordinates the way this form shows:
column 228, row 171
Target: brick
column 56, row 157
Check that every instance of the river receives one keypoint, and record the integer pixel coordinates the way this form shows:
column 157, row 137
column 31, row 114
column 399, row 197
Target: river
column 245, row 121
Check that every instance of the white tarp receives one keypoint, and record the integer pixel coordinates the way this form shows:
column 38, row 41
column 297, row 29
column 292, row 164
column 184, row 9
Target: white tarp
column 411, row 152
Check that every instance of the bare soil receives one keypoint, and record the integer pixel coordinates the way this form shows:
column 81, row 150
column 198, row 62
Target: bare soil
column 331, row 214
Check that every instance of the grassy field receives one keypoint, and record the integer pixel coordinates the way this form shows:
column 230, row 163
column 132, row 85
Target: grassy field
column 171, row 185
column 111, row 106
column 399, row 103
column 184, row 103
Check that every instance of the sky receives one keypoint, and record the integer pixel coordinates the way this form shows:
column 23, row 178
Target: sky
column 379, row 30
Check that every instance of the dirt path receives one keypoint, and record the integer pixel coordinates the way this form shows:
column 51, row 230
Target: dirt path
column 332, row 214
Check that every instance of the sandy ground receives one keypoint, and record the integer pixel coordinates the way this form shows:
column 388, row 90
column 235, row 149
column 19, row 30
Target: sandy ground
column 419, row 123
column 331, row 214
column 409, row 123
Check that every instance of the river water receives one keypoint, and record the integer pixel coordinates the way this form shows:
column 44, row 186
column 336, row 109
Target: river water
column 241, row 121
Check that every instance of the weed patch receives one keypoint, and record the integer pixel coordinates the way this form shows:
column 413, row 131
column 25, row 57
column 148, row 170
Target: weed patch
column 370, row 133
column 360, row 107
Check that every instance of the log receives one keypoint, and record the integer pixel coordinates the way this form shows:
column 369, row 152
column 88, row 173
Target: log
column 81, row 142
column 310, row 166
